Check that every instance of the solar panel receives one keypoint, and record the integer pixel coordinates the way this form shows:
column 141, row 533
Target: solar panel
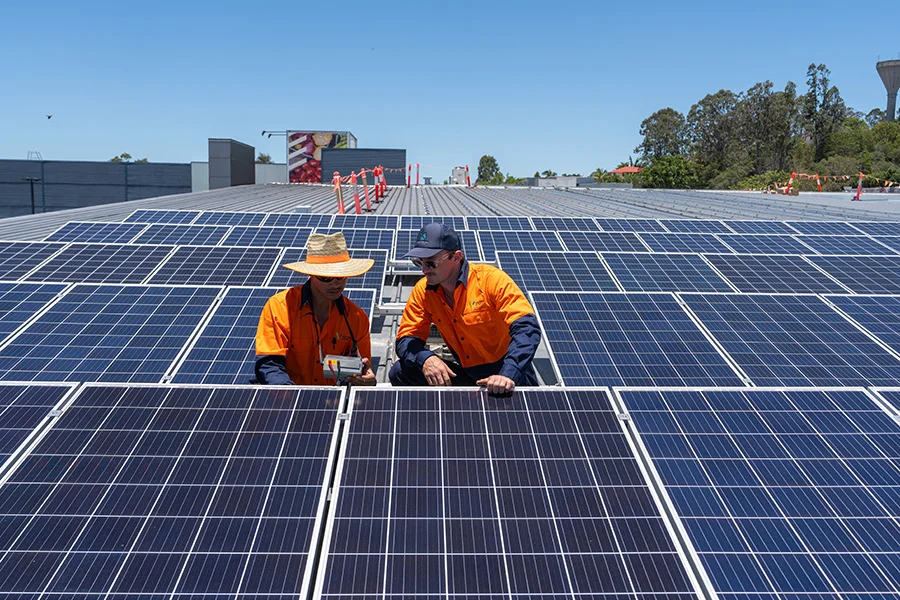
column 101, row 263
column 18, row 258
column 280, row 237
column 564, row 224
column 783, row 493
column 492, row 241
column 845, row 244
column 891, row 241
column 162, row 216
column 24, row 408
column 107, row 233
column 664, row 273
column 880, row 315
column 863, row 274
column 225, row 350
column 877, row 228
column 172, row 492
column 759, row 227
column 107, row 333
column 569, row 271
column 365, row 239
column 793, row 341
column 183, row 235
column 764, row 244
column 479, row 223
column 602, row 241
column 635, row 225
column 604, row 338
column 694, row 226
column 823, row 227
column 684, row 242
column 229, row 218
column 365, row 222
column 452, row 494
column 297, row 220
column 417, row 222
column 406, row 240
column 372, row 279
column 779, row 274
column 20, row 301
column 207, row 265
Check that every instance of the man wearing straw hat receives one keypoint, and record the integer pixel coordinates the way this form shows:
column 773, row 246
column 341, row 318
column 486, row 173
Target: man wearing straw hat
column 300, row 326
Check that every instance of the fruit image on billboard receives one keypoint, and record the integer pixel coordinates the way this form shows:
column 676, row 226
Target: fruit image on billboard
column 304, row 153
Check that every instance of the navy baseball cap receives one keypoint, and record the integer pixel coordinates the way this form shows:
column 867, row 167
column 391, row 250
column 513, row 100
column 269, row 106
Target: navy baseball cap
column 432, row 239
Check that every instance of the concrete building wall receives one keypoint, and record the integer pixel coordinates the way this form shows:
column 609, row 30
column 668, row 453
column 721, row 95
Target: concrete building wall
column 346, row 160
column 270, row 173
column 230, row 163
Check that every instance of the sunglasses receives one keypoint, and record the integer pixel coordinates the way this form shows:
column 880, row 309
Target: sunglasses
column 430, row 263
column 328, row 279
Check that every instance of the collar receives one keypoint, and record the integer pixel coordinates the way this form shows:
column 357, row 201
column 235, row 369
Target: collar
column 306, row 297
column 462, row 279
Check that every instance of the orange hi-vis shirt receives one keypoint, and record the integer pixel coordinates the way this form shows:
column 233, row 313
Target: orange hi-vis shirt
column 477, row 327
column 287, row 327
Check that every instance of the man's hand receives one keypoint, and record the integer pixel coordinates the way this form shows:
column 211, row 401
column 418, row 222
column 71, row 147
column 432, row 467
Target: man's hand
column 436, row 371
column 367, row 377
column 497, row 384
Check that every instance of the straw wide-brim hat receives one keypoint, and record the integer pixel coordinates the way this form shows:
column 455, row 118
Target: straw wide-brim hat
column 327, row 256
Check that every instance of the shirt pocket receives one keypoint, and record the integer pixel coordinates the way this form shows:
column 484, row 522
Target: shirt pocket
column 478, row 317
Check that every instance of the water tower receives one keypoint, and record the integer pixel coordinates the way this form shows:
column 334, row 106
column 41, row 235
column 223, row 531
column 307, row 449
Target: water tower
column 890, row 75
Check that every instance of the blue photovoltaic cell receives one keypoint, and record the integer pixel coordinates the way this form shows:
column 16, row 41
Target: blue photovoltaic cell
column 784, row 494
column 793, row 341
column 365, row 222
column 602, row 338
column 406, row 240
column 157, row 492
column 636, row 225
column 225, row 350
column 183, row 235
column 18, row 258
column 479, row 223
column 365, row 239
column 106, row 233
column 22, row 409
column 229, row 218
column 602, row 241
column 206, row 265
column 684, row 242
column 20, row 301
column 162, row 216
column 417, row 222
column 845, row 244
column 102, row 263
column 863, row 274
column 455, row 494
column 891, row 241
column 764, row 244
column 565, row 271
column 107, row 333
column 694, row 226
column 664, row 273
column 491, row 241
column 823, row 227
column 764, row 227
column 297, row 220
column 877, row 227
column 564, row 224
column 280, row 237
column 372, row 279
column 779, row 274
column 880, row 315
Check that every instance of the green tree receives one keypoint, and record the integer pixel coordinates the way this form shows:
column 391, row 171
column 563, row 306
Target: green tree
column 767, row 123
column 711, row 127
column 487, row 168
column 664, row 133
column 671, row 172
column 823, row 108
column 548, row 173
column 127, row 158
column 263, row 159
column 875, row 116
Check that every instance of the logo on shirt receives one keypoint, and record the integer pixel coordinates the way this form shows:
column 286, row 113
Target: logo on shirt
column 474, row 303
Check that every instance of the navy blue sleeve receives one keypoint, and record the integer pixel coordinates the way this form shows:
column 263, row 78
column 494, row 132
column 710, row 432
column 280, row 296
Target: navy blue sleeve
column 525, row 336
column 411, row 351
column 272, row 370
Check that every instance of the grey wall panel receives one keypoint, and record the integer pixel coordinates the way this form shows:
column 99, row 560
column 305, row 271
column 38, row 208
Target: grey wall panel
column 345, row 160
column 67, row 195
column 159, row 174
column 107, row 173
column 230, row 163
column 12, row 171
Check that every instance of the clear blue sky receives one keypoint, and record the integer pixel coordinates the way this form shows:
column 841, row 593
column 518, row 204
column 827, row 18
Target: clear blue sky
column 539, row 85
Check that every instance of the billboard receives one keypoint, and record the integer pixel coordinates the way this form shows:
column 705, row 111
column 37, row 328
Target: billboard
column 304, row 153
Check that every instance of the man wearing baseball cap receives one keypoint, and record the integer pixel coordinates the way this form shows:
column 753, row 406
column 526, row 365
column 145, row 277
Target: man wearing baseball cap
column 480, row 313
column 300, row 326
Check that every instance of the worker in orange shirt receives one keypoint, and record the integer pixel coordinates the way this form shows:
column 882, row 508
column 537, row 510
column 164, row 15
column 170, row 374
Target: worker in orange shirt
column 302, row 325
column 480, row 313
